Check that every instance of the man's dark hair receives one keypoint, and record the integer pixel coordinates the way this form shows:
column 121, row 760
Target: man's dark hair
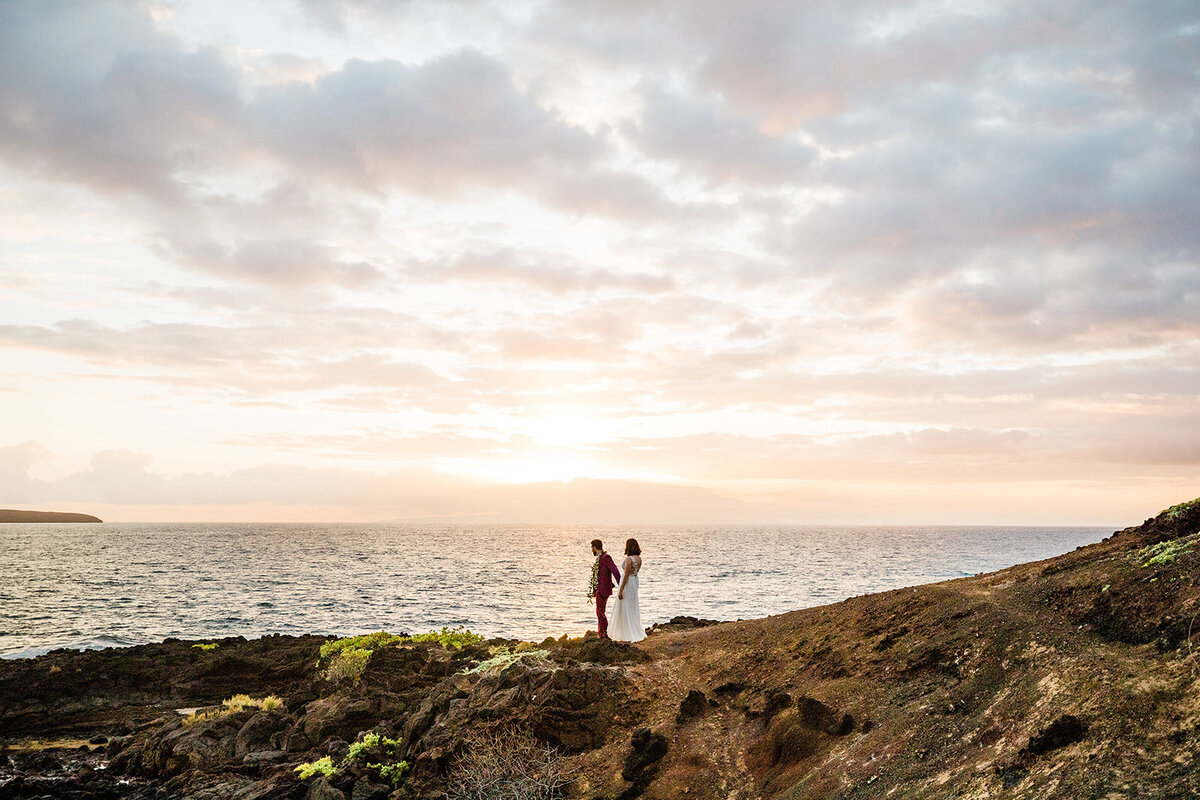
column 599, row 545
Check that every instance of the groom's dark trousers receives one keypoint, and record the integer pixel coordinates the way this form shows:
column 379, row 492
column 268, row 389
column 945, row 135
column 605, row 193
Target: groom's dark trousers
column 604, row 587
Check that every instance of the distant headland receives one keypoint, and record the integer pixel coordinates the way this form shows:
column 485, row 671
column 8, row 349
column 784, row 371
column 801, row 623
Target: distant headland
column 12, row 515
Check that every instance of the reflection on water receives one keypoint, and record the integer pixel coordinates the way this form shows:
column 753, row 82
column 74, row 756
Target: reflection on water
column 117, row 584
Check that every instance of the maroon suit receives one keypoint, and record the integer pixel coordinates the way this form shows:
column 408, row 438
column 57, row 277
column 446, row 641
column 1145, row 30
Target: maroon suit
column 604, row 588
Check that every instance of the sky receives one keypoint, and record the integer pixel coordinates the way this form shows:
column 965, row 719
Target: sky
column 605, row 262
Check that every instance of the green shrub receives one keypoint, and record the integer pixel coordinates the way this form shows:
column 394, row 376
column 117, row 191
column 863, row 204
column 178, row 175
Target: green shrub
column 387, row 749
column 1157, row 555
column 347, row 659
column 503, row 658
column 1177, row 511
column 322, row 765
column 455, row 637
column 209, row 646
column 392, row 773
column 368, row 641
column 372, row 741
column 347, row 665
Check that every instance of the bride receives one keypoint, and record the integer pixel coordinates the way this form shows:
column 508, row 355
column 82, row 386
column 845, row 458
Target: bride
column 627, row 617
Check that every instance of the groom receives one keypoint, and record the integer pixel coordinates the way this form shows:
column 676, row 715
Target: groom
column 604, row 573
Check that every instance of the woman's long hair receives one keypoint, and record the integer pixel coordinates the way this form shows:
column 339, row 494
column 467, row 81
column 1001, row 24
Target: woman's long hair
column 632, row 548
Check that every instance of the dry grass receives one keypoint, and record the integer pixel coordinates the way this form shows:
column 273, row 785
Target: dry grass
column 239, row 702
column 509, row 764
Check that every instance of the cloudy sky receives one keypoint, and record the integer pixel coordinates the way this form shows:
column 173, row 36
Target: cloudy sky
column 600, row 260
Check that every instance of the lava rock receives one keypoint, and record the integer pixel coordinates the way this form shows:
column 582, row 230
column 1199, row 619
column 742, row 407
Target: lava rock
column 258, row 732
column 336, row 716
column 321, row 789
column 264, row 757
column 1065, row 730
column 365, row 789
column 775, row 703
column 646, row 749
column 692, row 706
column 819, row 717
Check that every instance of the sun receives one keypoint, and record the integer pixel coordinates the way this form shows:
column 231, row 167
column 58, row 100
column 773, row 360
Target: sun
column 539, row 449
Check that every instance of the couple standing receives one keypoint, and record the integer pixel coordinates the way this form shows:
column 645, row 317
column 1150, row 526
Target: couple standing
column 627, row 617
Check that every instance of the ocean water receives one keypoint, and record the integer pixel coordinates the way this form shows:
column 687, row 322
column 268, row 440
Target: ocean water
column 107, row 585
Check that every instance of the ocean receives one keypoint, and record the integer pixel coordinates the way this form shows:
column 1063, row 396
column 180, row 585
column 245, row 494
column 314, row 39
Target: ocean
column 88, row 586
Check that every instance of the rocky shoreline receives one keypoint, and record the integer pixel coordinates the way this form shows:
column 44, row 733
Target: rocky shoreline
column 1072, row 677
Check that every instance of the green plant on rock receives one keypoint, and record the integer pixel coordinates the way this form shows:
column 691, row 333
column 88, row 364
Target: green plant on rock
column 1177, row 511
column 503, row 658
column 346, row 659
column 324, row 766
column 392, row 773
column 391, row 768
column 455, row 637
column 368, row 641
column 208, row 646
column 372, row 742
column 348, row 665
column 1157, row 555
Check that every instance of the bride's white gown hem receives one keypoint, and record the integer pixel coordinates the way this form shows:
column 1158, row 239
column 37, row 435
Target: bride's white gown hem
column 626, row 625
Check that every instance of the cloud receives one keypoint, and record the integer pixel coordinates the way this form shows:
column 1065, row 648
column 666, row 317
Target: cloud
column 95, row 94
column 105, row 97
column 453, row 122
column 793, row 242
column 548, row 272
column 725, row 146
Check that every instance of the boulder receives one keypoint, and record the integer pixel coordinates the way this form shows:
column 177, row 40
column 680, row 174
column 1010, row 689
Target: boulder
column 259, row 732
column 1065, row 730
column 692, row 706
column 336, row 715
column 819, row 717
column 786, row 741
column 366, row 789
column 321, row 789
column 646, row 749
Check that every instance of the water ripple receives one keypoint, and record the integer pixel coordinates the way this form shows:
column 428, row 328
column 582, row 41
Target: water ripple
column 91, row 586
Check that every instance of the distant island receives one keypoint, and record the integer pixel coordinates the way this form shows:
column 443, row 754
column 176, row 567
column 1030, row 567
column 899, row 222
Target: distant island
column 12, row 515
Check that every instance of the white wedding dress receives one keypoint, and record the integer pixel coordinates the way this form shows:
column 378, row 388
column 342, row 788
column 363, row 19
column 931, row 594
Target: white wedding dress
column 626, row 625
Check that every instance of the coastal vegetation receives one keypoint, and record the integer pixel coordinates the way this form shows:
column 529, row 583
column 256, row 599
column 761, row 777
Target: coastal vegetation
column 504, row 657
column 322, row 766
column 370, row 745
column 345, row 659
column 234, row 705
column 1162, row 553
column 1181, row 510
